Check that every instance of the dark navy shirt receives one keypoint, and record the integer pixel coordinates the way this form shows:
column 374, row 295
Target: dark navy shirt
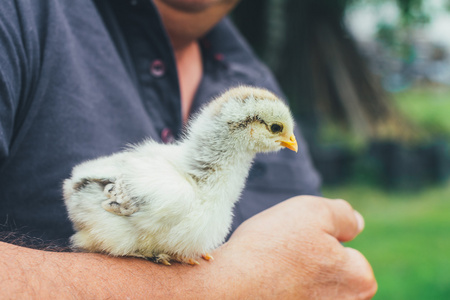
column 82, row 79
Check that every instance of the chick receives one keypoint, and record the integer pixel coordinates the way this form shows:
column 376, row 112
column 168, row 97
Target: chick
column 174, row 202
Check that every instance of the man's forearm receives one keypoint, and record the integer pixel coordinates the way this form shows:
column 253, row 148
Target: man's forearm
column 290, row 251
column 34, row 273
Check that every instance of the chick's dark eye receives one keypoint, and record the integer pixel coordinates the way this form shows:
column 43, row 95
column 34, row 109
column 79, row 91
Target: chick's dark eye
column 276, row 128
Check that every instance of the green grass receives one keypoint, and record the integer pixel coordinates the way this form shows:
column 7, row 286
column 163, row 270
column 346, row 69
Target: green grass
column 428, row 107
column 406, row 239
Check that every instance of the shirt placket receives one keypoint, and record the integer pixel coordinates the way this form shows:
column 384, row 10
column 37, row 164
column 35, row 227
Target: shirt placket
column 155, row 67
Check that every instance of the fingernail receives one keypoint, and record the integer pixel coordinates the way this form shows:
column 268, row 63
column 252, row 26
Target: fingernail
column 359, row 220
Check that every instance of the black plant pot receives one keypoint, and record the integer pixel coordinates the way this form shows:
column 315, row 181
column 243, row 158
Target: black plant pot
column 333, row 163
column 410, row 167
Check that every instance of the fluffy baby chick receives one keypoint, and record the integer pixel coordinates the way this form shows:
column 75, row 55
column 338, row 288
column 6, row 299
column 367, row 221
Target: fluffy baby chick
column 174, row 202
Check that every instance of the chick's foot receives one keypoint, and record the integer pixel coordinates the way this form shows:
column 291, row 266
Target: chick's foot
column 162, row 259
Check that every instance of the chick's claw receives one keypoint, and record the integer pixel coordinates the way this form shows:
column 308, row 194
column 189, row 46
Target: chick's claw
column 207, row 257
column 165, row 262
column 193, row 262
column 186, row 260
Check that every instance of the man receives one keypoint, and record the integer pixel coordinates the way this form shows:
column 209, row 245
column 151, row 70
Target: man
column 81, row 79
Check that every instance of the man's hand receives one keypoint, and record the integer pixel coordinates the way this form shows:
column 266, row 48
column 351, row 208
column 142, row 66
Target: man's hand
column 293, row 251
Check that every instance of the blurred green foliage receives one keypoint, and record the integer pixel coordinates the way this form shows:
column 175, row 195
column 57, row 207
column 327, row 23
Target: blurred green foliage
column 428, row 107
column 406, row 239
column 412, row 12
column 397, row 41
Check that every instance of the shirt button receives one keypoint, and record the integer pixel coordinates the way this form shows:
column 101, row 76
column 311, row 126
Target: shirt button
column 157, row 68
column 167, row 136
column 219, row 57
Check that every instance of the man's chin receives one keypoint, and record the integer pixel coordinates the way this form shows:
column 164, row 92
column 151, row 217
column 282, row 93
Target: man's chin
column 192, row 5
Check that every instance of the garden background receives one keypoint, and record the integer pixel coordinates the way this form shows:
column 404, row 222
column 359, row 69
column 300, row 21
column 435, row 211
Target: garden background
column 369, row 82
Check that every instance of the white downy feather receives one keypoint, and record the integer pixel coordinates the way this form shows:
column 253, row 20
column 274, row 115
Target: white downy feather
column 182, row 195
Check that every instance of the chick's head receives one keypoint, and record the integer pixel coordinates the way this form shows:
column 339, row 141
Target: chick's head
column 257, row 119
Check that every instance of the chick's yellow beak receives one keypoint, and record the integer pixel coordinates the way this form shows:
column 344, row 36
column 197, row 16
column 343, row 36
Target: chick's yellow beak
column 290, row 144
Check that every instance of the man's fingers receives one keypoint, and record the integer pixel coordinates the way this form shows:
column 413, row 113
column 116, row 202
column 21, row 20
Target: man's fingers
column 344, row 222
column 335, row 217
column 362, row 277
